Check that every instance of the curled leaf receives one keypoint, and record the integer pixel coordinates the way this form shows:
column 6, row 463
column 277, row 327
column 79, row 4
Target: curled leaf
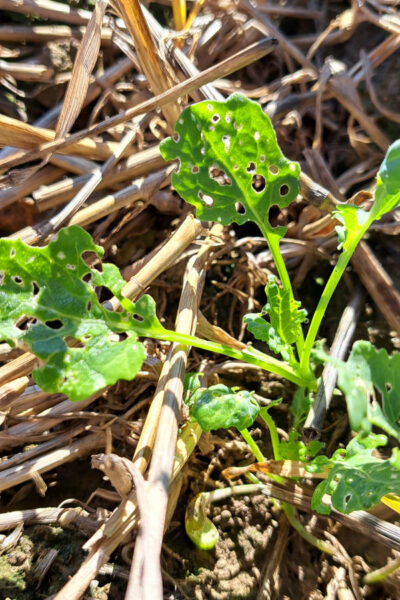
column 200, row 529
column 219, row 407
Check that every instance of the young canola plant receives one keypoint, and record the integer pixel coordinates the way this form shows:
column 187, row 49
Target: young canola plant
column 233, row 171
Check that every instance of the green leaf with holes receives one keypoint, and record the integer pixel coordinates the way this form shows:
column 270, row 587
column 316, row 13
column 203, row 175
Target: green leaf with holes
column 370, row 381
column 49, row 305
column 231, row 167
column 285, row 317
column 220, row 407
column 358, row 479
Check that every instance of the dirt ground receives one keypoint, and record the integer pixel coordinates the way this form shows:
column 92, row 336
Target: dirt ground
column 338, row 136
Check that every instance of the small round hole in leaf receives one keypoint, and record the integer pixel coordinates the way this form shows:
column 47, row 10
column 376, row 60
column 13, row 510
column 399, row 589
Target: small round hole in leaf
column 226, row 140
column 55, row 324
column 176, row 137
column 219, row 176
column 262, row 158
column 87, row 278
column 388, row 386
column 273, row 169
column 12, row 252
column 195, row 169
column 208, row 200
column 251, row 167
column 138, row 318
column 215, row 118
column 284, row 190
column 17, row 279
column 258, row 183
column 240, row 209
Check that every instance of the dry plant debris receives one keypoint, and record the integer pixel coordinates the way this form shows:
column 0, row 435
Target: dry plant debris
column 88, row 90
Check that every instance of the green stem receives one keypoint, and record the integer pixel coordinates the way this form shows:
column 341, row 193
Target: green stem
column 249, row 355
column 272, row 432
column 330, row 287
column 254, row 448
column 291, row 515
column 381, row 574
column 273, row 244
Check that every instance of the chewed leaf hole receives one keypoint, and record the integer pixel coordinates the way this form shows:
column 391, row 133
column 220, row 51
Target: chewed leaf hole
column 251, row 167
column 17, row 279
column 284, row 190
column 258, row 183
column 35, row 288
column 195, row 169
column 388, row 387
column 87, row 278
column 176, row 137
column 262, row 158
column 89, row 306
column 215, row 118
column 240, row 209
column 226, row 140
column 219, row 176
column 12, row 252
column 138, row 318
column 55, row 324
column 273, row 169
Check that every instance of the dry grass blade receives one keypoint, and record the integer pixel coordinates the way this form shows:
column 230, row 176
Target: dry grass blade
column 48, row 9
column 28, row 136
column 234, row 63
column 156, row 70
column 80, row 78
column 169, row 393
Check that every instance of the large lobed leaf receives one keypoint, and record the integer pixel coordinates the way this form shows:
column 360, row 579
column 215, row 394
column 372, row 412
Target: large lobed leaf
column 370, row 381
column 48, row 304
column 231, row 167
column 285, row 316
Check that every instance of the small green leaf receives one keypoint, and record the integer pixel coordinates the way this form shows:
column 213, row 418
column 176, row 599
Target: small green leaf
column 370, row 381
column 231, row 167
column 48, row 304
column 301, row 404
column 358, row 479
column 387, row 195
column 295, row 449
column 353, row 220
column 285, row 316
column 219, row 407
